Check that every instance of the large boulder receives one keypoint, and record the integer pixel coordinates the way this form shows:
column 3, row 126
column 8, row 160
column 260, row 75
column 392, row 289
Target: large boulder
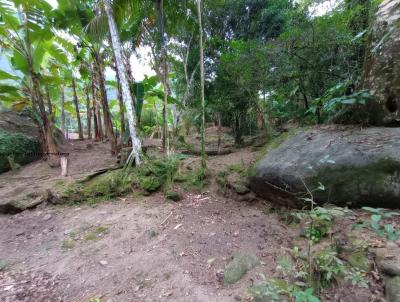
column 357, row 167
column 382, row 65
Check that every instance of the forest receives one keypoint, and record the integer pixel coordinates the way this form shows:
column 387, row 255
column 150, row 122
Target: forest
column 199, row 150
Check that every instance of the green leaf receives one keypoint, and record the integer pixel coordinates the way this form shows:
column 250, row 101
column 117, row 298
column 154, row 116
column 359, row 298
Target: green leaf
column 7, row 76
column 376, row 217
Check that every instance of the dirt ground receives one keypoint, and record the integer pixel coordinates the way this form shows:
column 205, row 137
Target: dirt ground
column 135, row 248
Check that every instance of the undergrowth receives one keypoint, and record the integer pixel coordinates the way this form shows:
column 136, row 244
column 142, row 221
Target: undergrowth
column 153, row 175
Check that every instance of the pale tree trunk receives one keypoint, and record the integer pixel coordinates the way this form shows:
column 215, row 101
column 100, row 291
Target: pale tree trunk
column 96, row 123
column 121, row 105
column 126, row 94
column 164, row 76
column 63, row 112
column 78, row 114
column 106, row 110
column 88, row 114
column 203, row 119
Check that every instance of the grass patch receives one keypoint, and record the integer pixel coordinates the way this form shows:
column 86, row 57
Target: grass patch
column 151, row 176
column 68, row 243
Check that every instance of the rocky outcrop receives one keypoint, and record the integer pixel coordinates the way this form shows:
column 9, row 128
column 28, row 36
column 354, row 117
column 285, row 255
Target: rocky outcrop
column 20, row 200
column 382, row 65
column 356, row 167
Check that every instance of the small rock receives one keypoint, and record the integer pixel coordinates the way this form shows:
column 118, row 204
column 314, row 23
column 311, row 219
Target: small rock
column 391, row 245
column 103, row 262
column 389, row 267
column 47, row 217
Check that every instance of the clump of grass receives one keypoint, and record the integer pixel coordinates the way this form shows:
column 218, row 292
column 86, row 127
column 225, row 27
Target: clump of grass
column 68, row 243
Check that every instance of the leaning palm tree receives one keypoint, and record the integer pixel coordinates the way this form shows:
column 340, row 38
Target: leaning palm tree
column 126, row 94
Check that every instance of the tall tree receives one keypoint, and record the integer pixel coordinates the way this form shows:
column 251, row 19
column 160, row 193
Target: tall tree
column 63, row 112
column 203, row 109
column 78, row 114
column 164, row 72
column 126, row 94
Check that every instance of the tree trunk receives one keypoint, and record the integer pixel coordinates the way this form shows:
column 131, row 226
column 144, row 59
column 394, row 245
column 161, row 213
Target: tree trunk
column 88, row 114
column 78, row 115
column 48, row 133
column 121, row 105
column 127, row 97
column 97, row 125
column 49, row 106
column 203, row 119
column 106, row 110
column 63, row 112
column 164, row 71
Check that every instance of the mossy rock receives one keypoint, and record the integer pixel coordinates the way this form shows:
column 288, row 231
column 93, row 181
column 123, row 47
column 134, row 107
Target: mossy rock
column 238, row 267
column 173, row 195
column 353, row 173
column 150, row 183
column 241, row 188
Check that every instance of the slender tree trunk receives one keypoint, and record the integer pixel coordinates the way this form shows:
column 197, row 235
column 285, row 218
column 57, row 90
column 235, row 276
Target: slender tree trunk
column 127, row 97
column 106, row 110
column 121, row 104
column 88, row 114
column 63, row 112
column 49, row 105
column 78, row 114
column 164, row 71
column 97, row 136
column 203, row 119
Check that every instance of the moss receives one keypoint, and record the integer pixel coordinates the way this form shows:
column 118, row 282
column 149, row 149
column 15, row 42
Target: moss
column 20, row 148
column 101, row 230
column 173, row 195
column 68, row 243
column 241, row 188
column 359, row 260
column 377, row 181
column 90, row 237
column 151, row 176
column 150, row 183
column 238, row 267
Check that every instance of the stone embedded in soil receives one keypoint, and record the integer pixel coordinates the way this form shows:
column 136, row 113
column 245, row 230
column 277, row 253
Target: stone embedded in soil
column 390, row 267
column 103, row 262
column 238, row 267
column 392, row 286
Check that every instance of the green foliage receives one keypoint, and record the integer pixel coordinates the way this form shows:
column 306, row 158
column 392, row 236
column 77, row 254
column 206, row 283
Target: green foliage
column 378, row 225
column 150, row 177
column 21, row 148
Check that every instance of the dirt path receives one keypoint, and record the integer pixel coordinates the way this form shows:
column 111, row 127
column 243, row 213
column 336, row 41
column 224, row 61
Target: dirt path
column 136, row 248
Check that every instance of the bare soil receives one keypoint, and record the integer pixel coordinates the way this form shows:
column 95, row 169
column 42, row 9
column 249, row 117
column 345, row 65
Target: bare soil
column 137, row 248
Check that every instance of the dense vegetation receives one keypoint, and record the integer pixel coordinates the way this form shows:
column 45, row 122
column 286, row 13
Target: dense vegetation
column 265, row 63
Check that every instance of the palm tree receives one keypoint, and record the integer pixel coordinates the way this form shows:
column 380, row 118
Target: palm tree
column 126, row 94
column 27, row 34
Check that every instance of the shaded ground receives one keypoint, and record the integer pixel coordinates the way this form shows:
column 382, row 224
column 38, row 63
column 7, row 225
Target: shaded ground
column 138, row 248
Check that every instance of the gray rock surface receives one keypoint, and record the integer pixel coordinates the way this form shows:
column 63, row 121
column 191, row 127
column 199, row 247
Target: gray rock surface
column 382, row 65
column 357, row 167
